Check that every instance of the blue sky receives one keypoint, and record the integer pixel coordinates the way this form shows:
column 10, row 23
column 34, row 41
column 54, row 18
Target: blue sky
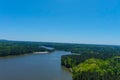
column 74, row 21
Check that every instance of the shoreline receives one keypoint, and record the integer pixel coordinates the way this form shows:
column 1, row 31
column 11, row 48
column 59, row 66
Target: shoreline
column 45, row 52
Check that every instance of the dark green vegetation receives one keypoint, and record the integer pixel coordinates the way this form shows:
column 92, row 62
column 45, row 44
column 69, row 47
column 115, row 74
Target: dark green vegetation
column 87, row 62
column 8, row 48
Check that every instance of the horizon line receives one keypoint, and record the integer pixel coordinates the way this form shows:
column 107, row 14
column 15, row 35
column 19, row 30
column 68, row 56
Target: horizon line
column 99, row 44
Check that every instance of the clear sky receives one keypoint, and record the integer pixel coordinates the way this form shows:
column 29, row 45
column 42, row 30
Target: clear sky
column 77, row 21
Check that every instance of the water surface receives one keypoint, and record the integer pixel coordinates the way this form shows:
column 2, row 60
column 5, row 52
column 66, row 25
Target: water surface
column 34, row 67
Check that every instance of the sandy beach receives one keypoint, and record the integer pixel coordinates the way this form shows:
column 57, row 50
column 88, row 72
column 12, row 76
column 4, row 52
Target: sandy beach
column 41, row 52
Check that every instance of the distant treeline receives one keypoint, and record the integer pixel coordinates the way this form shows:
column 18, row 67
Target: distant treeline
column 85, row 48
column 8, row 48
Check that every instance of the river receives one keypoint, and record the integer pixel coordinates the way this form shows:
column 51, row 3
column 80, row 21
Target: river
column 34, row 67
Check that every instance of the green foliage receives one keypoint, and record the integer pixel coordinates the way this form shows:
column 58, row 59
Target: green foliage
column 8, row 48
column 96, row 69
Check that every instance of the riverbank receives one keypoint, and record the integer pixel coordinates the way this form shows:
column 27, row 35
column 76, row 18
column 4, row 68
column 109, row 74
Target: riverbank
column 45, row 52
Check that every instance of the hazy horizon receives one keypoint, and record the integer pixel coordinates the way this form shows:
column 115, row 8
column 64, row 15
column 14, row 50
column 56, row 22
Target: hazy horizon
column 63, row 42
column 66, row 21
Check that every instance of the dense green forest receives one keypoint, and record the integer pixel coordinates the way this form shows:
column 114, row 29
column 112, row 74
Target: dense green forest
column 93, row 62
column 87, row 62
column 8, row 48
column 97, row 69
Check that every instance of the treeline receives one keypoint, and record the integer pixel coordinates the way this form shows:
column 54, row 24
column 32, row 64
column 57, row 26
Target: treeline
column 85, row 48
column 18, row 48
